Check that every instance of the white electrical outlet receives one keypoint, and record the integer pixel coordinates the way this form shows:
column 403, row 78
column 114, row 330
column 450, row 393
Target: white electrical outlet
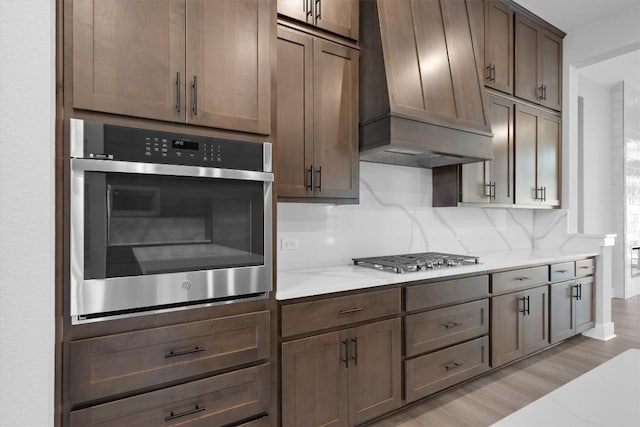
column 289, row 244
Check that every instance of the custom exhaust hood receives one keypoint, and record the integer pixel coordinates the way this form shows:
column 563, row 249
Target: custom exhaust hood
column 421, row 94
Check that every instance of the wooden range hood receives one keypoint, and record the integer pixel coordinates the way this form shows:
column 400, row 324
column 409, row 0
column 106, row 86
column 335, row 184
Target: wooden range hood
column 421, row 94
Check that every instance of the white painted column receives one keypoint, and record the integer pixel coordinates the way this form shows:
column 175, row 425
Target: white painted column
column 604, row 327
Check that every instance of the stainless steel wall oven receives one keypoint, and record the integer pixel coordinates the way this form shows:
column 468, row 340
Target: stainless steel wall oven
column 163, row 221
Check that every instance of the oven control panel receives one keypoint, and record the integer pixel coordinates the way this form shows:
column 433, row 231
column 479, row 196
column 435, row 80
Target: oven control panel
column 109, row 142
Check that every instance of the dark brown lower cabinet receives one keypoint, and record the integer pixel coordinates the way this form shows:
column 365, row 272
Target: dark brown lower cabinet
column 342, row 378
column 571, row 308
column 441, row 369
column 219, row 400
column 520, row 324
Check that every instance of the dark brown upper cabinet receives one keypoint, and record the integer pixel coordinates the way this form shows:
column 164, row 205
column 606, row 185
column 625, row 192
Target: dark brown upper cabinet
column 204, row 62
column 537, row 156
column 538, row 63
column 336, row 16
column 317, row 120
column 498, row 48
column 491, row 181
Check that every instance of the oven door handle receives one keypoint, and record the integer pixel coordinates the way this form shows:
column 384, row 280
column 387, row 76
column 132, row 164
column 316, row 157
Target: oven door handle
column 82, row 165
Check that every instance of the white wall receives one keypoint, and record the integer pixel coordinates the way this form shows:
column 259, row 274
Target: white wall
column 596, row 42
column 394, row 216
column 597, row 181
column 27, row 94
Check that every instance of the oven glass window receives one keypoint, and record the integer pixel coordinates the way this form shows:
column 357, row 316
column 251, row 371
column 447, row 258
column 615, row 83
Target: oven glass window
column 149, row 224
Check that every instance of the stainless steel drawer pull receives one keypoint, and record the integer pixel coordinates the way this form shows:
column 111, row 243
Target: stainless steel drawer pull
column 452, row 366
column 586, row 267
column 173, row 415
column 350, row 311
column 522, row 278
column 561, row 271
column 451, row 325
column 184, row 352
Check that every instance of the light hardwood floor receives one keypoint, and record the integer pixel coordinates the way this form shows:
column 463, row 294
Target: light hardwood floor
column 487, row 399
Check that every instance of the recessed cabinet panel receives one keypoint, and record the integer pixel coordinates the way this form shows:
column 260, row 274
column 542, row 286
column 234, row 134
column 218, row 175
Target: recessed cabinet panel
column 506, row 328
column 129, row 57
column 527, row 60
column 548, row 158
column 438, row 370
column 301, row 10
column 220, row 400
column 527, row 131
column 562, row 310
column 499, row 47
column 335, row 98
column 294, row 149
column 584, row 305
column 228, row 64
column 551, row 69
column 315, row 381
column 535, row 327
column 337, row 16
column 376, row 370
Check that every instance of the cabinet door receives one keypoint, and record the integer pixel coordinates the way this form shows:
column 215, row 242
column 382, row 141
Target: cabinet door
column 315, row 381
column 335, row 110
column 128, row 57
column 302, row 10
column 294, row 148
column 562, row 316
column 501, row 167
column 228, row 64
column 548, row 158
column 499, row 46
column 535, row 325
column 476, row 182
column 526, row 131
column 551, row 69
column 375, row 371
column 584, row 305
column 506, row 328
column 338, row 16
column 527, row 52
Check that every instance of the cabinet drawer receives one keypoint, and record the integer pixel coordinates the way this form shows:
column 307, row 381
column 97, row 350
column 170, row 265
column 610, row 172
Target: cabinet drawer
column 562, row 271
column 447, row 292
column 438, row 328
column 218, row 400
column 331, row 312
column 129, row 361
column 585, row 267
column 435, row 371
column 519, row 279
column 260, row 422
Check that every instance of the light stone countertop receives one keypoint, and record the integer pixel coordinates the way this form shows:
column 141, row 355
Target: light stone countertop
column 340, row 278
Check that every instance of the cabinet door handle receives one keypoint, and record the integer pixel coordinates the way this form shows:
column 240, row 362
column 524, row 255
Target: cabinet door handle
column 579, row 291
column 178, row 92
column 451, row 366
column 172, row 415
column 492, row 191
column 355, row 351
column 350, row 311
column 194, row 88
column 524, row 306
column 318, row 10
column 493, row 73
column 544, row 194
column 309, row 11
column 488, row 76
column 540, row 95
column 196, row 349
column 544, row 92
column 345, row 343
column 310, row 178
column 319, row 187
column 488, row 187
column 451, row 325
column 528, row 305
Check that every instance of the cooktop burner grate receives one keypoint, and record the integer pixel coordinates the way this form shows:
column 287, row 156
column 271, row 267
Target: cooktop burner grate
column 416, row 262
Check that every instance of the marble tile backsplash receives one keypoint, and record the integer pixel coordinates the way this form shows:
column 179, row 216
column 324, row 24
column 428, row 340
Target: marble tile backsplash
column 395, row 216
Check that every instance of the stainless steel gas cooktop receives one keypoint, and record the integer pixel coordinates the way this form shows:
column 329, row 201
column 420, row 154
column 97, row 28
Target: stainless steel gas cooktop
column 416, row 262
